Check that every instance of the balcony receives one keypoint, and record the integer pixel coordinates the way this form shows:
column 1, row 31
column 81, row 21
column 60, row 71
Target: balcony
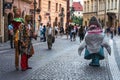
column 28, row 1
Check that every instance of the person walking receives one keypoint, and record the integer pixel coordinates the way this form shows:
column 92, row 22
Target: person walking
column 41, row 32
column 50, row 33
column 44, row 31
column 81, row 33
column 119, row 30
column 11, row 33
column 67, row 31
column 112, row 32
column 56, row 31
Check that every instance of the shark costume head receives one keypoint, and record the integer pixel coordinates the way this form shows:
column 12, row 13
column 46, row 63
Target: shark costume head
column 94, row 25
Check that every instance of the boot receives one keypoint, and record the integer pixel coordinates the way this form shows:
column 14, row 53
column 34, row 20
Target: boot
column 95, row 61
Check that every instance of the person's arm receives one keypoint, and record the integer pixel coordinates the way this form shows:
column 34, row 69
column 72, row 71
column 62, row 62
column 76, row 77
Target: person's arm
column 81, row 47
column 106, row 45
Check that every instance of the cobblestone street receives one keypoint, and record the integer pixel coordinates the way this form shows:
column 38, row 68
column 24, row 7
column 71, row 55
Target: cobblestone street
column 60, row 63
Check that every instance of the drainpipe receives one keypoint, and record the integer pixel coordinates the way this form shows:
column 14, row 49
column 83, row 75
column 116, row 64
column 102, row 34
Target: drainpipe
column 105, row 14
column 2, row 22
column 119, row 13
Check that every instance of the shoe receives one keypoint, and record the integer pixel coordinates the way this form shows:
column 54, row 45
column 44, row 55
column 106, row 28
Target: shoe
column 94, row 64
column 29, row 68
column 23, row 69
column 17, row 68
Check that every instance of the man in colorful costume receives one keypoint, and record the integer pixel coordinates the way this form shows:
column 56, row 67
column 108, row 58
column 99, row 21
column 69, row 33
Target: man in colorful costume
column 26, row 33
column 94, row 42
column 17, row 21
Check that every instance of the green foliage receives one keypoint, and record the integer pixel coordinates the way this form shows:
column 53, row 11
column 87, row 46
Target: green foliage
column 77, row 20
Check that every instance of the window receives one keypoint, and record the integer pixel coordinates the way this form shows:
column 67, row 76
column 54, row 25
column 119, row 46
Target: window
column 59, row 7
column 49, row 5
column 112, row 4
column 39, row 3
column 95, row 6
column 115, row 4
column 88, row 6
column 91, row 6
column 108, row 4
column 56, row 6
column 85, row 7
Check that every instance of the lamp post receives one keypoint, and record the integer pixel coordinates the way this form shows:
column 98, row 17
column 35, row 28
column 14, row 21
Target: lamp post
column 35, row 3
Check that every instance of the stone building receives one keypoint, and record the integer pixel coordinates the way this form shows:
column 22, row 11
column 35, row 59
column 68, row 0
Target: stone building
column 1, row 21
column 7, row 14
column 53, row 11
column 78, row 9
column 107, row 11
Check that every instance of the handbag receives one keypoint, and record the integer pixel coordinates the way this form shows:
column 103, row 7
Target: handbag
column 31, row 52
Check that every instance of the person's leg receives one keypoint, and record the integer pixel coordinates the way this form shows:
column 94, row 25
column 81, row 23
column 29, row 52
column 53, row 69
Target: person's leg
column 24, row 62
column 16, row 56
column 11, row 41
column 28, row 67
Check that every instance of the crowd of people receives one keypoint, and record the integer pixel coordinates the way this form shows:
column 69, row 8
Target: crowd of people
column 21, row 33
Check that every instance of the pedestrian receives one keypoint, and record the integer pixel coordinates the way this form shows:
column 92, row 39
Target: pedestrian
column 94, row 42
column 72, row 33
column 17, row 21
column 26, row 48
column 61, row 31
column 81, row 33
column 41, row 32
column 44, row 31
column 11, row 33
column 50, row 33
column 56, row 31
column 67, row 31
column 119, row 30
column 75, row 32
column 112, row 32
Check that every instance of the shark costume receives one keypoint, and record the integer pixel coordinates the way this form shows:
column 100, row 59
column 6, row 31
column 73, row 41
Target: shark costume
column 94, row 42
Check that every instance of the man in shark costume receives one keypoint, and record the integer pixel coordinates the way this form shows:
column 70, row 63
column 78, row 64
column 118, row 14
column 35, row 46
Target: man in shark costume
column 94, row 42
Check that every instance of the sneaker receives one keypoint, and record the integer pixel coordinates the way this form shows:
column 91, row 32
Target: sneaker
column 29, row 68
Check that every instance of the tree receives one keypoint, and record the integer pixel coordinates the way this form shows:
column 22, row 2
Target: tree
column 77, row 20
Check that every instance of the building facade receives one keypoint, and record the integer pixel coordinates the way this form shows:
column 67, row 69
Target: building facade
column 7, row 14
column 44, row 11
column 1, row 21
column 54, row 12
column 78, row 9
column 107, row 12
